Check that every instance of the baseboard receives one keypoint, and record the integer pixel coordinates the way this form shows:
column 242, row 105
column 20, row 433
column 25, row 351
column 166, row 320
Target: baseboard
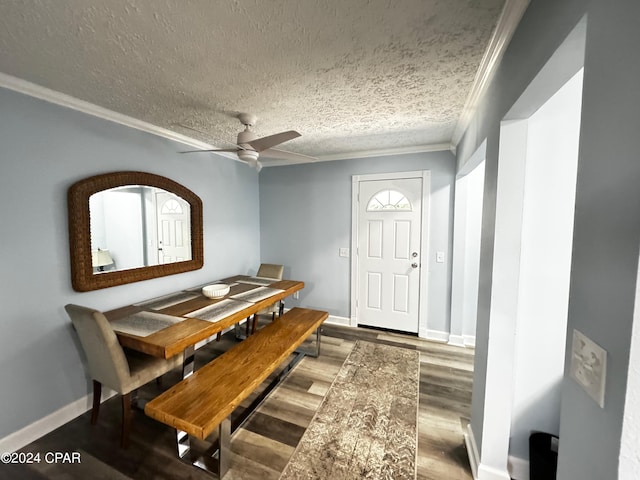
column 456, row 340
column 472, row 451
column 490, row 473
column 336, row 320
column 39, row 428
column 435, row 335
column 469, row 341
column 518, row 468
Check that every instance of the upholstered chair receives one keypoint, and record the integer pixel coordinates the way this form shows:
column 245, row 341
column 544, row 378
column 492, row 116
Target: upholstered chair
column 268, row 270
column 110, row 365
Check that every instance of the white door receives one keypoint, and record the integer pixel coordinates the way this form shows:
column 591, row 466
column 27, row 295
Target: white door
column 174, row 228
column 389, row 255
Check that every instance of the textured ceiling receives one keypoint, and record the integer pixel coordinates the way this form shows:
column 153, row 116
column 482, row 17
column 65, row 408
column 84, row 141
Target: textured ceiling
column 350, row 75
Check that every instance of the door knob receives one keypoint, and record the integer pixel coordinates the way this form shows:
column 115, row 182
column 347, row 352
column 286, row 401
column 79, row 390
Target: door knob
column 414, row 265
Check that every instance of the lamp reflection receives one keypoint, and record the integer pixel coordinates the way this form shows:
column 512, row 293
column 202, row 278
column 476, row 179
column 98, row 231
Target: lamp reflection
column 100, row 259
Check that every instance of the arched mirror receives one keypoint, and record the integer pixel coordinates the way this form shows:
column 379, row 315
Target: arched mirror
column 130, row 226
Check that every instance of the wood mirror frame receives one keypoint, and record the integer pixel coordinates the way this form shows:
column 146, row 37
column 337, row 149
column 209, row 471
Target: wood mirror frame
column 83, row 278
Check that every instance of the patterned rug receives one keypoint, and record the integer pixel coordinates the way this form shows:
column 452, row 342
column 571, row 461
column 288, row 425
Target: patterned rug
column 366, row 426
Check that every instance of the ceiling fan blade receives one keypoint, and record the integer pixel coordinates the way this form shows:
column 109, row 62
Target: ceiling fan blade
column 263, row 143
column 215, row 150
column 284, row 155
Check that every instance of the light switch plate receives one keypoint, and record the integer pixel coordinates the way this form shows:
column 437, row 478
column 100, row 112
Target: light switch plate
column 440, row 257
column 589, row 366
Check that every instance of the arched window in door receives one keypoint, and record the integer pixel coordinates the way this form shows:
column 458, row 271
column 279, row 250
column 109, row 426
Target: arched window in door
column 171, row 206
column 390, row 201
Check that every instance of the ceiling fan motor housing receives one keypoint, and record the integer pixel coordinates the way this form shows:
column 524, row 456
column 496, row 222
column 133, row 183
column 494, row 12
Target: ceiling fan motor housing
column 249, row 156
column 245, row 137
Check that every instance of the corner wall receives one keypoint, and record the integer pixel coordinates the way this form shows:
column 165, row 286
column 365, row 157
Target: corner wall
column 606, row 233
column 305, row 218
column 46, row 148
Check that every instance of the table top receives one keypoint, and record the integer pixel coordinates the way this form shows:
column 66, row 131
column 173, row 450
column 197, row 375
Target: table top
column 177, row 315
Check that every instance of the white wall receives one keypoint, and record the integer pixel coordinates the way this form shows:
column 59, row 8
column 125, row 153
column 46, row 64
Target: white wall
column 475, row 187
column 466, row 254
column 629, row 453
column 545, row 263
column 124, row 223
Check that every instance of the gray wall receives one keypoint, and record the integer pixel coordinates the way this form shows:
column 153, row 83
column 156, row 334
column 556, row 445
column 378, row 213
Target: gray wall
column 45, row 148
column 305, row 217
column 606, row 232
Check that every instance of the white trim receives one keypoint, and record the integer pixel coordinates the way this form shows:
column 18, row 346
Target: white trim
column 45, row 425
column 425, row 255
column 436, row 147
column 469, row 341
column 518, row 468
column 437, row 336
column 510, row 17
column 491, row 473
column 425, row 175
column 472, row 451
column 37, row 91
column 355, row 192
column 336, row 320
column 27, row 88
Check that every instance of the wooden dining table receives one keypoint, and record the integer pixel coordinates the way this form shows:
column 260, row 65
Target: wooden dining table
column 182, row 308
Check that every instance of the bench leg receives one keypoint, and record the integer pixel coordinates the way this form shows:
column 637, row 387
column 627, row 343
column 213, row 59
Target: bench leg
column 315, row 353
column 218, row 461
column 224, row 452
column 182, row 438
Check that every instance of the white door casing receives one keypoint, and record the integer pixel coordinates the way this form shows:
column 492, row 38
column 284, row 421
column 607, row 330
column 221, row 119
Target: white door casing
column 390, row 216
column 174, row 227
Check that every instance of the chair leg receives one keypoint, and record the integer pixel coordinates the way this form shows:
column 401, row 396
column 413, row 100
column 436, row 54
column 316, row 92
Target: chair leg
column 126, row 420
column 254, row 324
column 97, row 392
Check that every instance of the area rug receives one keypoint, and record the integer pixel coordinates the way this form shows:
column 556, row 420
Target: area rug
column 366, row 426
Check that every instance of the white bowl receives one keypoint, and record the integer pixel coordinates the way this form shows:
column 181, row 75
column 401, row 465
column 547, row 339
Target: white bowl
column 215, row 291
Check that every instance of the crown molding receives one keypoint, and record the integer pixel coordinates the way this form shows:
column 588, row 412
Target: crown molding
column 510, row 17
column 436, row 147
column 37, row 91
column 22, row 86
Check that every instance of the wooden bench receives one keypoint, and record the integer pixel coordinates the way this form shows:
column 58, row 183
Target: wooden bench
column 204, row 401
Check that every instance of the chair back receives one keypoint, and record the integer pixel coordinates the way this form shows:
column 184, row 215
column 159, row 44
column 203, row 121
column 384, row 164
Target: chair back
column 270, row 270
column 107, row 361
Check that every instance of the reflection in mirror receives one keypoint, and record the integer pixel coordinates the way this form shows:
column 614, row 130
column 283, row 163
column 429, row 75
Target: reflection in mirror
column 138, row 226
column 130, row 226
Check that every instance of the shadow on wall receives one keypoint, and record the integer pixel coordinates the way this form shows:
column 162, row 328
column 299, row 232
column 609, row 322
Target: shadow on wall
column 540, row 412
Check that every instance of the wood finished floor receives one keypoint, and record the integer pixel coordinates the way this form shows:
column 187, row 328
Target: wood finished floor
column 262, row 447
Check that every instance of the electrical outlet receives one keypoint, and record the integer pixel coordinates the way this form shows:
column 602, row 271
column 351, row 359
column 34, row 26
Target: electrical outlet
column 344, row 252
column 589, row 366
column 296, row 295
column 440, row 257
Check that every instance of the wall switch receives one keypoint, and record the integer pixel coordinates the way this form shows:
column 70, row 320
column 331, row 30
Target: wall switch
column 344, row 252
column 440, row 257
column 589, row 366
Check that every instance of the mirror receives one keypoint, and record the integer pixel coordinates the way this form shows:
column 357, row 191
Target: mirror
column 130, row 226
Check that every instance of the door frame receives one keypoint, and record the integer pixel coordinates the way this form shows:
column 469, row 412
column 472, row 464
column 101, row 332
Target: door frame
column 425, row 175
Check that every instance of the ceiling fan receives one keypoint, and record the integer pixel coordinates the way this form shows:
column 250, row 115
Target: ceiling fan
column 249, row 148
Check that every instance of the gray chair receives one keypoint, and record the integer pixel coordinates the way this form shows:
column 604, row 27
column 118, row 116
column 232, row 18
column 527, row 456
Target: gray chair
column 111, row 366
column 268, row 270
